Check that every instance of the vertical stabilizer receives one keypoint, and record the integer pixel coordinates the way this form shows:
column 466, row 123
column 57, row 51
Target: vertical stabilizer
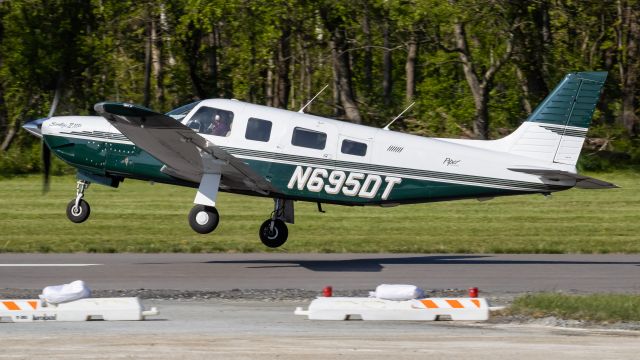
column 555, row 131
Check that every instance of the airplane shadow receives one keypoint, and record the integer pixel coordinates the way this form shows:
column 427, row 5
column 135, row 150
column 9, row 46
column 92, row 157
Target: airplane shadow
column 377, row 264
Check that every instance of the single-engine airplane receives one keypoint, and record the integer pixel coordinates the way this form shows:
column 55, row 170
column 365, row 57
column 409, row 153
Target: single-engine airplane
column 228, row 145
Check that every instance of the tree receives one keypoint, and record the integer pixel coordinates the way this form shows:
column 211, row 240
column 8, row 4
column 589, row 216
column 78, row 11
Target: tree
column 628, row 42
column 530, row 44
column 480, row 82
column 335, row 24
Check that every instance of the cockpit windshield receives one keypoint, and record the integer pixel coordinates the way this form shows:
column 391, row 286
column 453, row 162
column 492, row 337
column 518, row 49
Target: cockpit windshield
column 182, row 111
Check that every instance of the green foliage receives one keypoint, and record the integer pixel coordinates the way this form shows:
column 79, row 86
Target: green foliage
column 95, row 50
column 594, row 307
column 20, row 160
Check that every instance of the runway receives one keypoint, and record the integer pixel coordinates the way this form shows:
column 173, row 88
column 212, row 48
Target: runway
column 259, row 328
column 491, row 273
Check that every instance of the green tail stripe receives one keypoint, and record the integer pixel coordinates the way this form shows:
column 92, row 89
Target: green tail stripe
column 572, row 102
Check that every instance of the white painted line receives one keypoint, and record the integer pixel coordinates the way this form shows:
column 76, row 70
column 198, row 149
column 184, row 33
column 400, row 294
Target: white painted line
column 47, row 265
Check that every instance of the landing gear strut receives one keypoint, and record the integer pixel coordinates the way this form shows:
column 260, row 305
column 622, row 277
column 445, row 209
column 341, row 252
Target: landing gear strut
column 78, row 210
column 274, row 232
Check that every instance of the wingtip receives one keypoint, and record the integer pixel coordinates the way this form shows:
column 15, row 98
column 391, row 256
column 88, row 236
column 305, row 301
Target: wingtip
column 99, row 107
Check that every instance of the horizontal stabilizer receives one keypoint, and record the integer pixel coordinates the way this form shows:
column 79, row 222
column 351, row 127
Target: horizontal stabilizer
column 582, row 182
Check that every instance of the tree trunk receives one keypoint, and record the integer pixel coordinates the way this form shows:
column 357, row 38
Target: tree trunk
column 341, row 64
column 12, row 130
column 345, row 87
column 308, row 85
column 630, row 78
column 147, row 61
column 158, row 62
column 529, row 52
column 368, row 54
column 480, row 87
column 269, row 86
column 338, row 109
column 387, row 79
column 4, row 116
column 10, row 135
column 481, row 123
column 191, row 45
column 213, row 60
column 282, row 66
column 410, row 67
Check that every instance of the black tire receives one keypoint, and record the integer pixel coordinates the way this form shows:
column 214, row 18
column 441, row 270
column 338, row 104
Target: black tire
column 203, row 219
column 79, row 214
column 275, row 238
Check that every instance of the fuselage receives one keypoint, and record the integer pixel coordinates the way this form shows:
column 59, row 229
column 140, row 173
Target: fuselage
column 312, row 158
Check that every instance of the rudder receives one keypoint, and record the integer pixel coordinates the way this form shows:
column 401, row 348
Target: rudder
column 556, row 130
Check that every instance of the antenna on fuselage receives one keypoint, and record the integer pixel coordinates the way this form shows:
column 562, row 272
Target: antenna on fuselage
column 310, row 101
column 397, row 117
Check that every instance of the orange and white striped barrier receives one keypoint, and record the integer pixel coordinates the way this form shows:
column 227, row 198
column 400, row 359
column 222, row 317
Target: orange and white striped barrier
column 113, row 309
column 345, row 308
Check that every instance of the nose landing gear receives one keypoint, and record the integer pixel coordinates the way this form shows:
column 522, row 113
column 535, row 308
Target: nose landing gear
column 78, row 210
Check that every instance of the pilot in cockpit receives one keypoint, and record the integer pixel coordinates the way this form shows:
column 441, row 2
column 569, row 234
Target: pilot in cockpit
column 219, row 127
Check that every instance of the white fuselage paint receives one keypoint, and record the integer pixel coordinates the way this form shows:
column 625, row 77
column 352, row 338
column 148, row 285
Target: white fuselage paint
column 462, row 160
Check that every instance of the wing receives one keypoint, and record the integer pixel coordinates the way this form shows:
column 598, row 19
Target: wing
column 186, row 154
column 583, row 182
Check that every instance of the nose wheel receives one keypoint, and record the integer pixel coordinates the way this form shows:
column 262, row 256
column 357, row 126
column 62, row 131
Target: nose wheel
column 203, row 219
column 274, row 232
column 78, row 210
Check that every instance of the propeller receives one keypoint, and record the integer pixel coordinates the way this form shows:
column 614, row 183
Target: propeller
column 35, row 128
column 46, row 152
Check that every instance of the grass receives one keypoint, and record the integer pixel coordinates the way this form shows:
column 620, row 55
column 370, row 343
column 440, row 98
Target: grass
column 139, row 217
column 594, row 307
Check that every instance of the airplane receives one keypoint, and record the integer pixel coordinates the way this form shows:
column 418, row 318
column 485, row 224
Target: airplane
column 232, row 146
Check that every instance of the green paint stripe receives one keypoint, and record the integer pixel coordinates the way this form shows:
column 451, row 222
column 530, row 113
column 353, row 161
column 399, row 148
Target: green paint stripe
column 390, row 170
column 407, row 172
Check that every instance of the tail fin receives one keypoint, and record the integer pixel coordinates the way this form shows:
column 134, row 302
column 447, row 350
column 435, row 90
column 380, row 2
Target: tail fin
column 555, row 131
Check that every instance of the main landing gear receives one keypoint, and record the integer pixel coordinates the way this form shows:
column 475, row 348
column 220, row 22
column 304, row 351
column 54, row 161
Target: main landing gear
column 78, row 210
column 203, row 219
column 274, row 232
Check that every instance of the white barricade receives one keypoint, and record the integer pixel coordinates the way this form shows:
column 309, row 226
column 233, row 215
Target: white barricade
column 111, row 309
column 430, row 309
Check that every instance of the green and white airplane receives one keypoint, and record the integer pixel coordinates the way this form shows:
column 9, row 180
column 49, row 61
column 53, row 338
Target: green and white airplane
column 228, row 145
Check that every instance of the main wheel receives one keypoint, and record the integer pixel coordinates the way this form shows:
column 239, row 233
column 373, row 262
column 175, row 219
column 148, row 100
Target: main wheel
column 203, row 219
column 80, row 213
column 275, row 237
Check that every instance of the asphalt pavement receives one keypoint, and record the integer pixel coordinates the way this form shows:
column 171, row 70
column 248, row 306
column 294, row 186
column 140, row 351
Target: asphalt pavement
column 489, row 272
column 255, row 326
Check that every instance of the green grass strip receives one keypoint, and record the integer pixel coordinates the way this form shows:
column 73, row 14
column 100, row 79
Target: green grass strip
column 139, row 217
column 594, row 307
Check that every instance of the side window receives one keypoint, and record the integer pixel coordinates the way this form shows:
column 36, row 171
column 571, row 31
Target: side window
column 309, row 138
column 208, row 120
column 353, row 148
column 258, row 130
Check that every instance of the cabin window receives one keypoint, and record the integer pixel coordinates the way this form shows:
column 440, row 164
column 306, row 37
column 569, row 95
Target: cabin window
column 212, row 121
column 258, row 130
column 182, row 111
column 353, row 148
column 309, row 138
